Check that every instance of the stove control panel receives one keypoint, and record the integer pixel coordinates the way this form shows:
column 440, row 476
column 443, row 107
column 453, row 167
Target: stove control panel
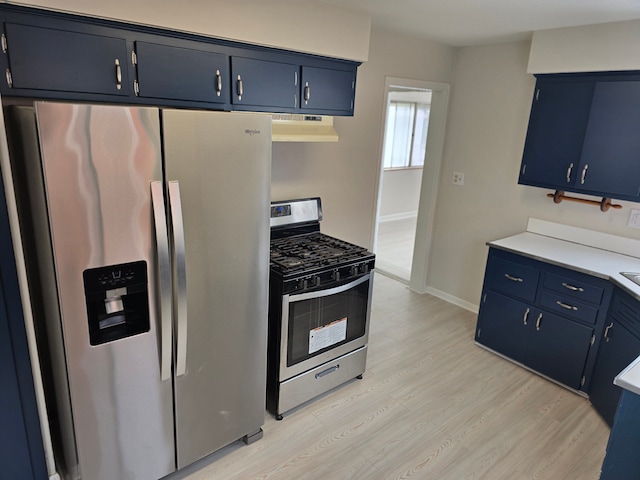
column 328, row 278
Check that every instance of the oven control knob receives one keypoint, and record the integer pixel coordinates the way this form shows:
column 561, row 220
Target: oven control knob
column 315, row 281
column 353, row 270
column 364, row 268
column 303, row 284
column 335, row 275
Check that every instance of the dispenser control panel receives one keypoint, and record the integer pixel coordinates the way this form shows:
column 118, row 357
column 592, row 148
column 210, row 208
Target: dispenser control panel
column 117, row 300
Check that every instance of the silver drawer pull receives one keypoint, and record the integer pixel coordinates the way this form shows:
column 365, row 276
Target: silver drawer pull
column 526, row 315
column 564, row 305
column 569, row 172
column 538, row 321
column 327, row 371
column 571, row 287
column 513, row 279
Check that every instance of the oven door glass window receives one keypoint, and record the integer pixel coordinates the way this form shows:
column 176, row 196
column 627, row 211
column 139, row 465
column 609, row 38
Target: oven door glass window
column 321, row 323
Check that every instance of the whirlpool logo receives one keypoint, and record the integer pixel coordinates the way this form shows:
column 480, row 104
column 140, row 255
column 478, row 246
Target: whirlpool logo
column 252, row 132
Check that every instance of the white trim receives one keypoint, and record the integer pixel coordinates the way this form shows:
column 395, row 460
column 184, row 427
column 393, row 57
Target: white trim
column 430, row 174
column 55, row 476
column 451, row 299
column 397, row 216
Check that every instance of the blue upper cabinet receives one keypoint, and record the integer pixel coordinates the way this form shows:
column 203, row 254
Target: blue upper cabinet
column 51, row 55
column 610, row 160
column 328, row 89
column 582, row 135
column 65, row 61
column 189, row 71
column 262, row 83
column 559, row 116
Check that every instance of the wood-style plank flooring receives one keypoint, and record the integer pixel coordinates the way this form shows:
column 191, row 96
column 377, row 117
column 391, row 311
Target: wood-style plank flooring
column 394, row 250
column 431, row 405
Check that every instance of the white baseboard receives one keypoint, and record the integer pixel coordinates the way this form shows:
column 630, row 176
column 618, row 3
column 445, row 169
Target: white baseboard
column 397, row 216
column 451, row 299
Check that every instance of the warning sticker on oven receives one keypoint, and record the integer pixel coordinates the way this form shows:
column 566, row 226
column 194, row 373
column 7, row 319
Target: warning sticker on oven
column 327, row 335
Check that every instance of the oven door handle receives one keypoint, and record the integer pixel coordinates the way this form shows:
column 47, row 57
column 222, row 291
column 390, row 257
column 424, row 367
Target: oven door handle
column 327, row 292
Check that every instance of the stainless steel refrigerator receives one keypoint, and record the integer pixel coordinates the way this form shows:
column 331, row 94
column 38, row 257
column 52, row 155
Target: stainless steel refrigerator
column 147, row 239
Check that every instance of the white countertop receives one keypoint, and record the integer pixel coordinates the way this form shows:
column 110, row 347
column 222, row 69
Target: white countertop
column 629, row 378
column 594, row 253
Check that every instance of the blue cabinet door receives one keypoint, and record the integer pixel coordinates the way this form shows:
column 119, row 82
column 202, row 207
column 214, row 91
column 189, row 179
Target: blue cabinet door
column 328, row 89
column 265, row 84
column 182, row 73
column 503, row 325
column 21, row 450
column 619, row 348
column 64, row 61
column 558, row 348
column 557, row 125
column 610, row 160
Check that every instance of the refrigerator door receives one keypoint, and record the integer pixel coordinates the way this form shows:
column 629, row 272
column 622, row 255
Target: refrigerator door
column 98, row 164
column 222, row 163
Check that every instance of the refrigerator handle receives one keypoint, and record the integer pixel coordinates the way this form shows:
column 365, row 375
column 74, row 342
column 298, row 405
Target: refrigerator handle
column 164, row 278
column 180, row 272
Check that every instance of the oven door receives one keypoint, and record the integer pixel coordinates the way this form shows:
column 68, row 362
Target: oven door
column 322, row 325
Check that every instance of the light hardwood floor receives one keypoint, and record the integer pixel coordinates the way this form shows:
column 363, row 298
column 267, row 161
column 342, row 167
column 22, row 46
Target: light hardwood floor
column 394, row 249
column 431, row 405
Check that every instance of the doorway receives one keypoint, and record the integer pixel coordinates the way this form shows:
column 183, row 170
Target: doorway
column 411, row 152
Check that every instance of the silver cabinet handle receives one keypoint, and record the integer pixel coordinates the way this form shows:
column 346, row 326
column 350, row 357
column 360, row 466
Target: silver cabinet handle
column 538, row 321
column 584, row 174
column 307, row 93
column 164, row 278
column 218, row 83
column 239, row 87
column 606, row 332
column 180, row 277
column 571, row 287
column 513, row 279
column 564, row 305
column 569, row 172
column 118, row 75
column 526, row 315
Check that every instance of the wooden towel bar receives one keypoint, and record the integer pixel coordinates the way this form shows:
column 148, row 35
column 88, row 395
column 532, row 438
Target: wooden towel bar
column 604, row 204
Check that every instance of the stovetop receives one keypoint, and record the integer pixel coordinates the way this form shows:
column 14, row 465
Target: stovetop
column 307, row 253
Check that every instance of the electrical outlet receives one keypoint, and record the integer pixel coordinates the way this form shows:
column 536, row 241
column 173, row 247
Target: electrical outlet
column 634, row 219
column 458, row 179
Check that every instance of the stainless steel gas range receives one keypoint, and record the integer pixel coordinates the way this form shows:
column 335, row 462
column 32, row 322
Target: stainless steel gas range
column 319, row 306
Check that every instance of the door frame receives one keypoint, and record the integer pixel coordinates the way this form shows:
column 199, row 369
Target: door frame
column 430, row 174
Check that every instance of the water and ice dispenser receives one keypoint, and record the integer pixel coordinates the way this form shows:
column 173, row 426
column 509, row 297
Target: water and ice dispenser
column 117, row 301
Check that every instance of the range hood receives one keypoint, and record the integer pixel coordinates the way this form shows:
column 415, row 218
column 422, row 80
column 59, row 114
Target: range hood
column 302, row 128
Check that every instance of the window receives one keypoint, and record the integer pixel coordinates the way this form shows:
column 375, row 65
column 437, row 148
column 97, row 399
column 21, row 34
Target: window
column 405, row 140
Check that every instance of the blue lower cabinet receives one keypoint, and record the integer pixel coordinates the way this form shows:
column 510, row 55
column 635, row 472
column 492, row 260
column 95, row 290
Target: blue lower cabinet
column 622, row 461
column 542, row 316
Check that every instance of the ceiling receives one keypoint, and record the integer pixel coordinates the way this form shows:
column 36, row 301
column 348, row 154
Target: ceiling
column 476, row 22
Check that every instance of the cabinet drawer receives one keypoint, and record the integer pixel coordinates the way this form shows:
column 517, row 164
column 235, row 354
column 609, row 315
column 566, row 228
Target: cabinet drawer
column 568, row 307
column 573, row 288
column 512, row 278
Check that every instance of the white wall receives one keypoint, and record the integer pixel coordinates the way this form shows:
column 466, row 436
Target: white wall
column 301, row 25
column 400, row 193
column 590, row 48
column 488, row 116
column 345, row 173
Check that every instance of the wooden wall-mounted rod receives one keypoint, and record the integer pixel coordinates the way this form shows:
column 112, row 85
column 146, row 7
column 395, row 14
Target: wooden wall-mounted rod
column 604, row 204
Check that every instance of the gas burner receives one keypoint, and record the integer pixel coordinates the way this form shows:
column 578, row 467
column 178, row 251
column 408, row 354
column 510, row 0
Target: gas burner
column 302, row 253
